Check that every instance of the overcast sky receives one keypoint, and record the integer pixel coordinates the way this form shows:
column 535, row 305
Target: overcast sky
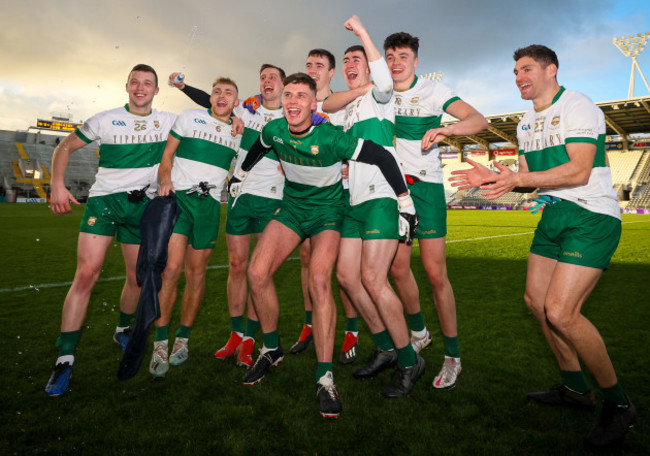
column 72, row 56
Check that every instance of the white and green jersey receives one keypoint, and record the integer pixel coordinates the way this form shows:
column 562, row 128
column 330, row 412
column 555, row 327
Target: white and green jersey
column 205, row 151
column 417, row 110
column 372, row 116
column 311, row 162
column 543, row 136
column 265, row 179
column 130, row 148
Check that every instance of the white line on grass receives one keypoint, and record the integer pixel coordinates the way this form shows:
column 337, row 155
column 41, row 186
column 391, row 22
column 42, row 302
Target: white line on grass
column 222, row 266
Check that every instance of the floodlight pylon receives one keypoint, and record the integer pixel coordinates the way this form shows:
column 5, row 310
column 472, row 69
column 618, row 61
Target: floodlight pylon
column 632, row 46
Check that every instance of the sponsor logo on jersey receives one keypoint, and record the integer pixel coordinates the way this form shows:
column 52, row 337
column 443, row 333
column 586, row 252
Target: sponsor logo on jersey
column 314, row 149
column 278, row 140
column 555, row 121
column 119, row 123
column 525, row 127
column 91, row 221
column 199, row 121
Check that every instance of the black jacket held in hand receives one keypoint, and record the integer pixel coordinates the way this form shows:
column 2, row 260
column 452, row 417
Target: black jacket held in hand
column 156, row 228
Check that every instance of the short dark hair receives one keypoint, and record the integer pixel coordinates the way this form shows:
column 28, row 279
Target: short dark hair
column 323, row 53
column 224, row 80
column 268, row 65
column 300, row 78
column 355, row 48
column 402, row 39
column 539, row 53
column 146, row 68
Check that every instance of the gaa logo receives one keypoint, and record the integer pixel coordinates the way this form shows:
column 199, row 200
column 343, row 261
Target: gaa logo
column 119, row 123
column 199, row 121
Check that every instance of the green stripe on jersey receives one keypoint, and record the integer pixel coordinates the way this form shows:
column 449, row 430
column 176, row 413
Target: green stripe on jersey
column 414, row 128
column 248, row 138
column 82, row 136
column 129, row 156
column 450, row 101
column 206, row 152
column 550, row 157
column 378, row 131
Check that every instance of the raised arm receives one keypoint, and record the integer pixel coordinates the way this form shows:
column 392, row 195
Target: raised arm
column 198, row 96
column 61, row 197
column 339, row 100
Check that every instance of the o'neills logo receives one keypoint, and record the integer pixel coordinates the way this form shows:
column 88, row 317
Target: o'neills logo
column 314, row 150
column 572, row 254
column 91, row 221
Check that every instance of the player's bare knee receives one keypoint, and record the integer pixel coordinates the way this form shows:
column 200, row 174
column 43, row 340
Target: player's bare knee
column 319, row 284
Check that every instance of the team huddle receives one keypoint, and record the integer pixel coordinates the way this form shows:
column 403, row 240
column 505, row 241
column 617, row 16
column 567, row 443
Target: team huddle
column 351, row 178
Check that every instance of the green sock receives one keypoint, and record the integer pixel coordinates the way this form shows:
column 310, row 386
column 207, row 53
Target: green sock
column 416, row 321
column 406, row 356
column 237, row 324
column 251, row 327
column 351, row 324
column 575, row 380
column 322, row 369
column 271, row 340
column 451, row 346
column 162, row 333
column 183, row 331
column 308, row 317
column 383, row 340
column 124, row 320
column 67, row 342
column 615, row 394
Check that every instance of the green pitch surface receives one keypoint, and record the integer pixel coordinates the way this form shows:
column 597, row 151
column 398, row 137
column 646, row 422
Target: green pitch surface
column 202, row 407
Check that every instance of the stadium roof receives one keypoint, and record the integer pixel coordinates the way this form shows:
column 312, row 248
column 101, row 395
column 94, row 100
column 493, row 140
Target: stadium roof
column 623, row 117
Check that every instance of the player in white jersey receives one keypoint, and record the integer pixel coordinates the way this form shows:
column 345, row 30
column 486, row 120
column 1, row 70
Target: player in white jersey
column 195, row 165
column 562, row 152
column 252, row 211
column 131, row 140
column 419, row 105
column 370, row 232
column 321, row 66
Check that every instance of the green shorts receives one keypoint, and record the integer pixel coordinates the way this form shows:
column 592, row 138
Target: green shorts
column 250, row 214
column 309, row 220
column 374, row 219
column 110, row 214
column 431, row 206
column 199, row 219
column 571, row 234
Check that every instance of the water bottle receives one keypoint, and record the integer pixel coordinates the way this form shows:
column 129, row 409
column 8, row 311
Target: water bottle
column 177, row 80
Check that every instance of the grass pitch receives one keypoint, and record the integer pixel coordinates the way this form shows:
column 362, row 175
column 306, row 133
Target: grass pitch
column 202, row 407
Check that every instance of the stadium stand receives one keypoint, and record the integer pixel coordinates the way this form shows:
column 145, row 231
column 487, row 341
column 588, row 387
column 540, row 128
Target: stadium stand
column 26, row 159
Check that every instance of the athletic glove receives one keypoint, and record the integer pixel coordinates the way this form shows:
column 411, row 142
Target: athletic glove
column 253, row 103
column 408, row 218
column 318, row 118
column 236, row 182
column 540, row 202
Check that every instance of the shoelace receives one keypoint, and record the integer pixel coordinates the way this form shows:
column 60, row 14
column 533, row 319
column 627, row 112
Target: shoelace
column 331, row 391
